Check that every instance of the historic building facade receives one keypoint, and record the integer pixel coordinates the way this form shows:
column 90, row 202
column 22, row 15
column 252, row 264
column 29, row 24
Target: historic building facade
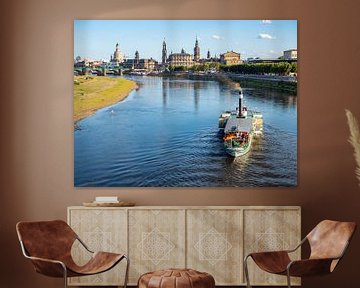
column 230, row 58
column 147, row 64
column 290, row 54
column 140, row 64
column 181, row 59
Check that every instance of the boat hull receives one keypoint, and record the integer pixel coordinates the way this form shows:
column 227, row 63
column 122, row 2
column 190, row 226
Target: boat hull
column 238, row 151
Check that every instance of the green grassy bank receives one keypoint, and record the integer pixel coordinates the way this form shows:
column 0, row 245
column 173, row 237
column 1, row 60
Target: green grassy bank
column 93, row 93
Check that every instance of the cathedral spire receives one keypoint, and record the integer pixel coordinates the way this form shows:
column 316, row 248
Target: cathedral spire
column 164, row 53
column 196, row 50
column 137, row 58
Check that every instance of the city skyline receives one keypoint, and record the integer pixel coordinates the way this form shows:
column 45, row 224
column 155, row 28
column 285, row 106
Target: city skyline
column 96, row 39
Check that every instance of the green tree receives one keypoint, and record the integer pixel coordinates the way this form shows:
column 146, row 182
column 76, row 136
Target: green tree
column 293, row 68
column 180, row 68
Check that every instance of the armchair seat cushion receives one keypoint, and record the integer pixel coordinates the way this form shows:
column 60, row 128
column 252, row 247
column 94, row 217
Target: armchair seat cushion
column 272, row 262
column 99, row 262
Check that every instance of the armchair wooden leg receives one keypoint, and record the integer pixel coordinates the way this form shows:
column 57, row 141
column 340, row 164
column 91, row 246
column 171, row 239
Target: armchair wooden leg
column 127, row 271
column 246, row 270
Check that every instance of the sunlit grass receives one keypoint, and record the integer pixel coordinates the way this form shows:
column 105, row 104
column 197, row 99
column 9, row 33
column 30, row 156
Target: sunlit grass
column 93, row 93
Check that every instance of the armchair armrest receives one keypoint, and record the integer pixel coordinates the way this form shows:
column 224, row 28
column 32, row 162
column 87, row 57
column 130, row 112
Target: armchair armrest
column 267, row 254
column 83, row 244
column 280, row 252
column 49, row 267
column 309, row 267
column 298, row 246
column 271, row 261
column 314, row 266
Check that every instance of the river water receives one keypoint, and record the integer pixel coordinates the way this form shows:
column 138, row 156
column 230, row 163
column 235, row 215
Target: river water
column 166, row 134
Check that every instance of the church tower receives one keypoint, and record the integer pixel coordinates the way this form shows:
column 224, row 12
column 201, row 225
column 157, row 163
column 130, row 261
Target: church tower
column 196, row 51
column 137, row 58
column 164, row 53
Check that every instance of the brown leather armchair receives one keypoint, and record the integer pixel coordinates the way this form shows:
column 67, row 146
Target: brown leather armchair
column 328, row 242
column 48, row 245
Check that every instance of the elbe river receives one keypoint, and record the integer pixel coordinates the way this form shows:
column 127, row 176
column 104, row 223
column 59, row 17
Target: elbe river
column 166, row 134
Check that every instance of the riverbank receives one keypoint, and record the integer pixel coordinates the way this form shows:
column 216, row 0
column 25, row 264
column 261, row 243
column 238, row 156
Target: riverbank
column 279, row 83
column 94, row 93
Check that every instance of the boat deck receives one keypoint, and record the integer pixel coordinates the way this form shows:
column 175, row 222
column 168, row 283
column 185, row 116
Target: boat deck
column 235, row 124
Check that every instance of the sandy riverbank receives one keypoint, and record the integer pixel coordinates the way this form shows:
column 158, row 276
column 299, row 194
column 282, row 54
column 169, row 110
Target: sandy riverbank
column 94, row 93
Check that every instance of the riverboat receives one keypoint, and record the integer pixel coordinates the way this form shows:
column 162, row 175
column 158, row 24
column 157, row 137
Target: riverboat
column 239, row 128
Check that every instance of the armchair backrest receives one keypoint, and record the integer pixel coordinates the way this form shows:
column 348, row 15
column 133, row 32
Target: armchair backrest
column 46, row 239
column 329, row 239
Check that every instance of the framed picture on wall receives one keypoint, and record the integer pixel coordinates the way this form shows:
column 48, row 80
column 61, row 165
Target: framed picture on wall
column 185, row 103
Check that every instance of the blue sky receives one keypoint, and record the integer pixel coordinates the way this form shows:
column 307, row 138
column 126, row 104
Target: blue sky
column 96, row 39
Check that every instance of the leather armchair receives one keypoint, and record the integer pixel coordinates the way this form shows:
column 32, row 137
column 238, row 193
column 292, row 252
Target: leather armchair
column 48, row 245
column 328, row 242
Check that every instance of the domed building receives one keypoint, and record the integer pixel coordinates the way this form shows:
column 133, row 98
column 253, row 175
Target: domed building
column 117, row 57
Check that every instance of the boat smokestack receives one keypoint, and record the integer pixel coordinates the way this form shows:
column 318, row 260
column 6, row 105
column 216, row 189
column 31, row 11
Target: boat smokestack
column 240, row 103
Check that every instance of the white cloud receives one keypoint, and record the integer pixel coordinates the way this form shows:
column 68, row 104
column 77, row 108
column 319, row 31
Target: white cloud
column 266, row 36
column 266, row 21
column 217, row 37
